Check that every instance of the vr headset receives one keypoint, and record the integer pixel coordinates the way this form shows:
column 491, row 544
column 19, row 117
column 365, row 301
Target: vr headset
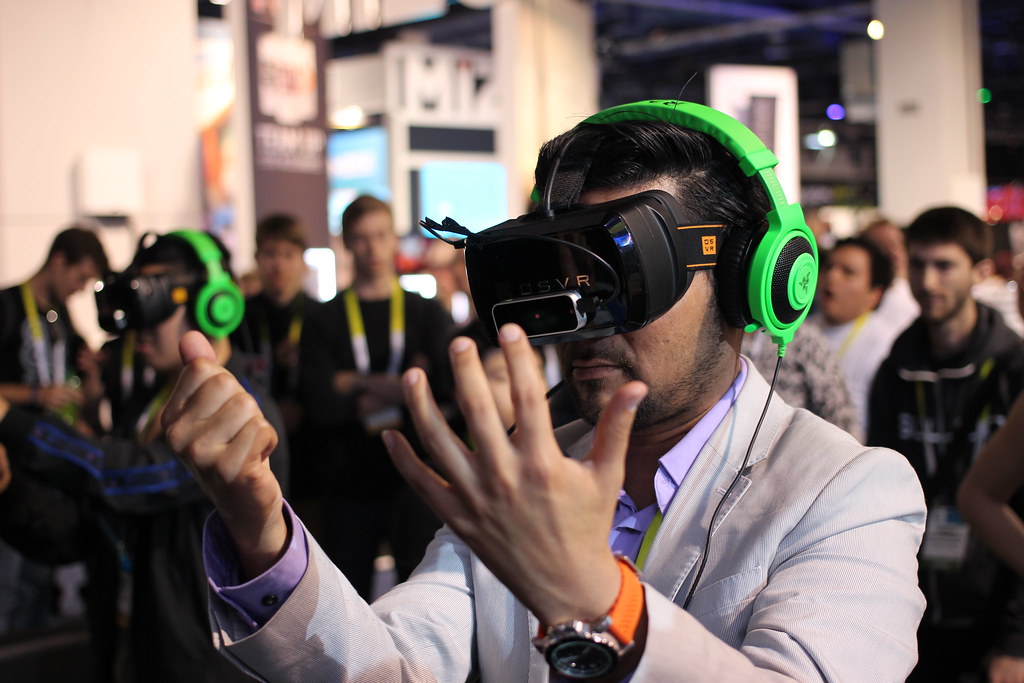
column 586, row 272
column 129, row 300
column 600, row 270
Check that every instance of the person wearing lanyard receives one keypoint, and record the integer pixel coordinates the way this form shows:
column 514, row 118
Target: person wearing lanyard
column 946, row 387
column 855, row 275
column 44, row 363
column 269, row 336
column 126, row 506
column 46, row 366
column 354, row 349
column 779, row 547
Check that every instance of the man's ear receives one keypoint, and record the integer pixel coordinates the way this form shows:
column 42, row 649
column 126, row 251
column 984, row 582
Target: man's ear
column 58, row 260
column 877, row 293
column 983, row 270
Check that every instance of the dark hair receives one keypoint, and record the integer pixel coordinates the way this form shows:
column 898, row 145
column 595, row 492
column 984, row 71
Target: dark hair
column 360, row 206
column 180, row 255
column 628, row 155
column 881, row 265
column 281, row 226
column 951, row 224
column 76, row 244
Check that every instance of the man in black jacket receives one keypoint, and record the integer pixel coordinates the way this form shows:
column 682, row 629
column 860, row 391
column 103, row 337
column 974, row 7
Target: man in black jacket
column 947, row 385
column 124, row 504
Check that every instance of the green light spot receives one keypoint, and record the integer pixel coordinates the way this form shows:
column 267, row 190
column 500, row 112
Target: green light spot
column 984, row 95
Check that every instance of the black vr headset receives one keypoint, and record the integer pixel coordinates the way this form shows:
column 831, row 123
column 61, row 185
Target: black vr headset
column 580, row 273
column 129, row 300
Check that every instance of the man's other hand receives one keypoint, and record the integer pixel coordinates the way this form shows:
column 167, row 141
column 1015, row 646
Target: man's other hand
column 220, row 434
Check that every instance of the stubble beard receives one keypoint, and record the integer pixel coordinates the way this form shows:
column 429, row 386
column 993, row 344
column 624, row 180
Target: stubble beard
column 684, row 396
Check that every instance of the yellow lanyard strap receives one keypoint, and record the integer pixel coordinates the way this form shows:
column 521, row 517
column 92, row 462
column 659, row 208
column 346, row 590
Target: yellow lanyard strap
column 43, row 362
column 858, row 325
column 357, row 330
column 645, row 545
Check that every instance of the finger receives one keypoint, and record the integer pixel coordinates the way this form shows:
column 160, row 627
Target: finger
column 437, row 492
column 473, row 394
column 195, row 345
column 611, row 436
column 443, row 445
column 245, row 456
column 201, row 391
column 532, row 413
column 228, row 421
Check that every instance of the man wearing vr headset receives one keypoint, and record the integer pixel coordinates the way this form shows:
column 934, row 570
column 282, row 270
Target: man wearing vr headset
column 770, row 544
column 124, row 504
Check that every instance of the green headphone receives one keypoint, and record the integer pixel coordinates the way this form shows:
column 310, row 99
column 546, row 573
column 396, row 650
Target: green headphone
column 765, row 279
column 218, row 305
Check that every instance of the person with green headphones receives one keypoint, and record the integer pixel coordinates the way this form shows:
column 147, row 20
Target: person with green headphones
column 124, row 504
column 689, row 527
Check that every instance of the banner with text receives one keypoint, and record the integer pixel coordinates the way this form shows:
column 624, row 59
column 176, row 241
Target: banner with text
column 286, row 58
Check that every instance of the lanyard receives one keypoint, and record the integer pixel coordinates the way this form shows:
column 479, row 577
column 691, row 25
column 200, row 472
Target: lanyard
column 44, row 360
column 127, row 363
column 148, row 424
column 266, row 347
column 858, row 325
column 645, row 545
column 357, row 329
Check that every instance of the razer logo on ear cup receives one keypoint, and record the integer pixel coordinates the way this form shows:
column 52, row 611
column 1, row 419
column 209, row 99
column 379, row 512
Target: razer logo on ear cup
column 805, row 281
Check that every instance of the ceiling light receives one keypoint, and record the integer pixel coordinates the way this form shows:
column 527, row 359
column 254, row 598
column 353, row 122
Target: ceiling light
column 876, row 29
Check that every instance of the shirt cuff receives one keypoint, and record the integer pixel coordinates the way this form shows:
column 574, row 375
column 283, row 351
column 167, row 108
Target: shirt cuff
column 258, row 599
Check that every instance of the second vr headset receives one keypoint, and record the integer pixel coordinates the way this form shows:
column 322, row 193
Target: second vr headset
column 130, row 300
column 615, row 267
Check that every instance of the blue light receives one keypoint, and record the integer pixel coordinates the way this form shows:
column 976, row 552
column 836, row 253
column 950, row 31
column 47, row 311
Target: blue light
column 836, row 112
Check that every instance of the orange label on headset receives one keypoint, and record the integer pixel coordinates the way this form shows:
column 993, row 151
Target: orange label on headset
column 709, row 244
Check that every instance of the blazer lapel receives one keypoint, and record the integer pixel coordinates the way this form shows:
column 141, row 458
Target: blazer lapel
column 677, row 549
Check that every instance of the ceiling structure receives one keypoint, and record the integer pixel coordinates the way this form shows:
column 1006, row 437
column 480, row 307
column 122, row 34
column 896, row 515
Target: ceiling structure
column 663, row 48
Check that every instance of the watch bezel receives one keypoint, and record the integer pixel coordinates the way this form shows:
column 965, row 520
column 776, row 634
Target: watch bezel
column 581, row 633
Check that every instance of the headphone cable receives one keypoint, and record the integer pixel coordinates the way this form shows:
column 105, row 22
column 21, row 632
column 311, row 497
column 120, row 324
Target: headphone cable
column 735, row 480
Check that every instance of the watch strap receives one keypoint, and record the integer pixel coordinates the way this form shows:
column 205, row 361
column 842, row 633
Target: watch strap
column 629, row 605
column 624, row 615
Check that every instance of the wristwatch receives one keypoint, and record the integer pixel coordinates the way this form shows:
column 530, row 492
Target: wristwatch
column 580, row 650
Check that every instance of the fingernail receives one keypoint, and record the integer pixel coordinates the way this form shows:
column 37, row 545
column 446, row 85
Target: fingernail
column 460, row 344
column 511, row 332
column 411, row 377
column 388, row 436
column 634, row 403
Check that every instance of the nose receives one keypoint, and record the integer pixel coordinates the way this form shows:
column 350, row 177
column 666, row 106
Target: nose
column 929, row 278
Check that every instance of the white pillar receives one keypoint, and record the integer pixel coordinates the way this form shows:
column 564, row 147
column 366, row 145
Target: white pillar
column 930, row 128
column 547, row 76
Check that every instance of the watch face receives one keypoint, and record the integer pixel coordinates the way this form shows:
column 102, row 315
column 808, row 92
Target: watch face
column 580, row 658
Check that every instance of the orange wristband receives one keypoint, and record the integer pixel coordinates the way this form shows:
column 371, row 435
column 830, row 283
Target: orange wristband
column 629, row 605
column 624, row 616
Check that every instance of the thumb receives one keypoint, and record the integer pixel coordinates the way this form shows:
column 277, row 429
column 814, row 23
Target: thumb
column 194, row 346
column 611, row 437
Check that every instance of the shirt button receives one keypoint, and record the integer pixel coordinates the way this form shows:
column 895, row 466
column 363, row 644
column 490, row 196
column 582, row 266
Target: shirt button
column 269, row 600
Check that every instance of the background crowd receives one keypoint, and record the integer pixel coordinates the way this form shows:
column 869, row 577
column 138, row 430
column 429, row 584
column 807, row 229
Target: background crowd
column 911, row 345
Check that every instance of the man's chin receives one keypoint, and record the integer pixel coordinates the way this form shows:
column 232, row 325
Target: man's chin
column 590, row 397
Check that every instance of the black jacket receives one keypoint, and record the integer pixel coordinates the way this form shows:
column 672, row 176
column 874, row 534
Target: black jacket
column 939, row 414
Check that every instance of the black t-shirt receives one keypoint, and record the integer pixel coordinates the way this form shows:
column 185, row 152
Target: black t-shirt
column 20, row 349
column 263, row 329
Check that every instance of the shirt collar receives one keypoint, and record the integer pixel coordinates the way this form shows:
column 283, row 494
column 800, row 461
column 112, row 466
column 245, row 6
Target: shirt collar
column 674, row 465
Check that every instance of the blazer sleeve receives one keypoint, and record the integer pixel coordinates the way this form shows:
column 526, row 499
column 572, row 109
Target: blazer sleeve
column 421, row 631
column 841, row 601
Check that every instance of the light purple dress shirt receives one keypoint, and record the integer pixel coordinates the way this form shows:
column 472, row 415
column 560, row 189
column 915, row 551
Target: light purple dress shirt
column 258, row 600
column 629, row 524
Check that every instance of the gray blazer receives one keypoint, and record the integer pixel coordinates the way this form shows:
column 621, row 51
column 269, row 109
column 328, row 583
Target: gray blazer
column 812, row 575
